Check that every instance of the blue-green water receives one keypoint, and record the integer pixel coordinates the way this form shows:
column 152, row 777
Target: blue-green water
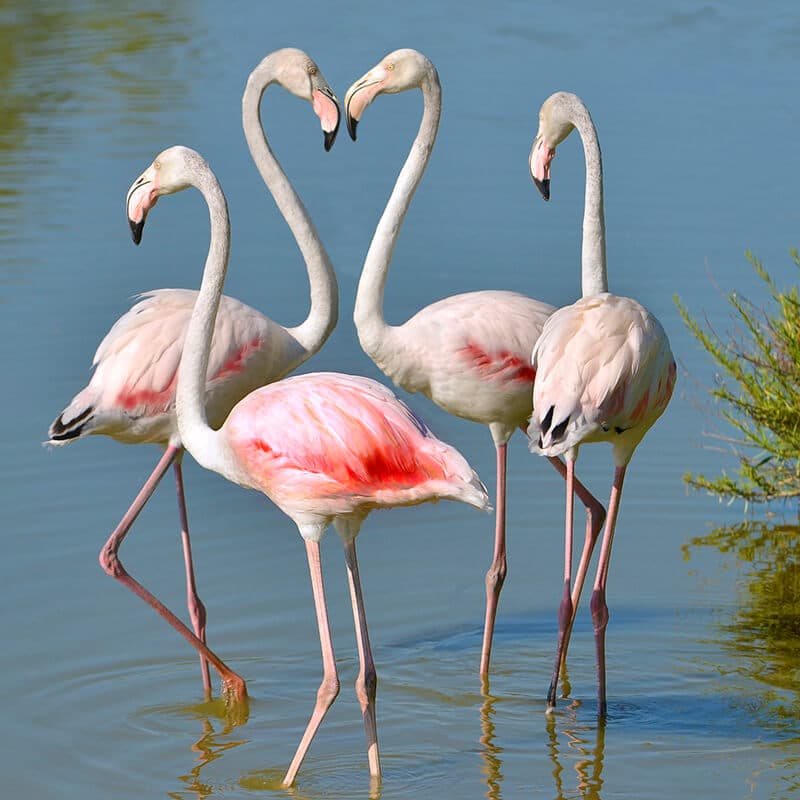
column 697, row 116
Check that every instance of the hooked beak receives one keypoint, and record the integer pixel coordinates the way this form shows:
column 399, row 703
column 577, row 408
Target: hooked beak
column 352, row 124
column 142, row 196
column 326, row 107
column 540, row 158
column 136, row 230
column 360, row 95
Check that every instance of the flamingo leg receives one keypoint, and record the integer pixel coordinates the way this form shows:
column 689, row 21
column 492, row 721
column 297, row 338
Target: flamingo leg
column 197, row 611
column 598, row 604
column 233, row 686
column 565, row 609
column 595, row 516
column 329, row 688
column 496, row 574
column 367, row 680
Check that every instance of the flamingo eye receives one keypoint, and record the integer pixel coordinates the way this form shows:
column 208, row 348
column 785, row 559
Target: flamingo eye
column 389, row 67
column 156, row 164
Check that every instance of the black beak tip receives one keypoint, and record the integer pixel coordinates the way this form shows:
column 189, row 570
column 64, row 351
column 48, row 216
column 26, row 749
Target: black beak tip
column 543, row 187
column 330, row 137
column 136, row 230
column 351, row 127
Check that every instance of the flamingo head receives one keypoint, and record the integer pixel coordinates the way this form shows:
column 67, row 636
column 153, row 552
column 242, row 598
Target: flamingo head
column 554, row 126
column 169, row 173
column 398, row 71
column 299, row 74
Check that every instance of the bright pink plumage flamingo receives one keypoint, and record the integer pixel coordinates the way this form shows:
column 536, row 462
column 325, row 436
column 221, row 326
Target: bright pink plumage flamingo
column 604, row 373
column 131, row 395
column 469, row 353
column 325, row 448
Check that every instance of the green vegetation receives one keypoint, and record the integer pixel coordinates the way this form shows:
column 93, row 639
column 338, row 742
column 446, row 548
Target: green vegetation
column 762, row 631
column 758, row 389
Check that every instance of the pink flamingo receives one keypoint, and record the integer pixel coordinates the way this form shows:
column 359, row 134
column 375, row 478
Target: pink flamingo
column 604, row 373
column 325, row 447
column 131, row 395
column 469, row 353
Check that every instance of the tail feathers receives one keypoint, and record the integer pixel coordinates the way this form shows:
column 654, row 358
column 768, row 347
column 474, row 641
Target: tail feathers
column 477, row 495
column 548, row 439
column 68, row 426
column 465, row 484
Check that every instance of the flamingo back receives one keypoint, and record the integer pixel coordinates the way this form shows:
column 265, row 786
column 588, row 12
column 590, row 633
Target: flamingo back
column 604, row 372
column 131, row 395
column 330, row 444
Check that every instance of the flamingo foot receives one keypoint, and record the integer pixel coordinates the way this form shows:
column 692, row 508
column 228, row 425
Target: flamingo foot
column 237, row 702
column 234, row 688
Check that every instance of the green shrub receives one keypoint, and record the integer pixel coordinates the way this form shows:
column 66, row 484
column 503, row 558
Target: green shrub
column 758, row 390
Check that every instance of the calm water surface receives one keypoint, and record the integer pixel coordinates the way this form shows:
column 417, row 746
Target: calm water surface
column 697, row 114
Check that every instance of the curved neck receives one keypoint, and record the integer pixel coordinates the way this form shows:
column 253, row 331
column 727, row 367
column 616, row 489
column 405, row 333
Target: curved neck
column 202, row 441
column 594, row 278
column 368, row 312
column 324, row 312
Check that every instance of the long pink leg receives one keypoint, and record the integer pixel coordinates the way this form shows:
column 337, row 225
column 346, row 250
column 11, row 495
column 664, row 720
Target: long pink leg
column 367, row 680
column 234, row 687
column 197, row 611
column 329, row 688
column 598, row 603
column 565, row 609
column 496, row 574
column 595, row 516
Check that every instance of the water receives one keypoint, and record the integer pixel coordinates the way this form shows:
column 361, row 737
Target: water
column 695, row 112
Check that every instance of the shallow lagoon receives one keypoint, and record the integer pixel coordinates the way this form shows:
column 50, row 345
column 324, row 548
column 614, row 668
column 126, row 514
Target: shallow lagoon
column 694, row 112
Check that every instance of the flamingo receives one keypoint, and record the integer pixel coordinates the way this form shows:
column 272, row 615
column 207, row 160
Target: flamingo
column 131, row 395
column 324, row 447
column 469, row 353
column 604, row 373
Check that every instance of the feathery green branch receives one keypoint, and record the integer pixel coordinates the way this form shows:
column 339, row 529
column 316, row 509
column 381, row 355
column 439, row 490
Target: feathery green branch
column 758, row 387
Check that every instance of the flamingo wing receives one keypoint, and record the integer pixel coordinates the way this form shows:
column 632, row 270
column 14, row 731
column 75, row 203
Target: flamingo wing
column 344, row 443
column 469, row 353
column 131, row 395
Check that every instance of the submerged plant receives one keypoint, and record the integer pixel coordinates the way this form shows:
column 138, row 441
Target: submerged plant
column 758, row 387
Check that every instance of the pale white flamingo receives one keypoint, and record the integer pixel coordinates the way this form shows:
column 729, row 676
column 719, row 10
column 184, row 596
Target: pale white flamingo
column 131, row 395
column 324, row 447
column 604, row 373
column 469, row 353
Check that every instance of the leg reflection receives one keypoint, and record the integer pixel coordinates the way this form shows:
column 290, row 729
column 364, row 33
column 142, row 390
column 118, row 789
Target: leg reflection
column 585, row 755
column 209, row 747
column 490, row 752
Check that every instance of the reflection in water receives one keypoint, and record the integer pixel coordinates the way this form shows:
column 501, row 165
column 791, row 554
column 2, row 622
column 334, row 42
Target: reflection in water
column 762, row 633
column 60, row 64
column 490, row 752
column 209, row 747
column 71, row 71
column 589, row 765
column 272, row 780
column 585, row 748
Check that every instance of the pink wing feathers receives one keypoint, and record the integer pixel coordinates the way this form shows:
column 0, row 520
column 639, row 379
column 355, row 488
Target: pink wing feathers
column 346, row 441
column 131, row 395
column 470, row 354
